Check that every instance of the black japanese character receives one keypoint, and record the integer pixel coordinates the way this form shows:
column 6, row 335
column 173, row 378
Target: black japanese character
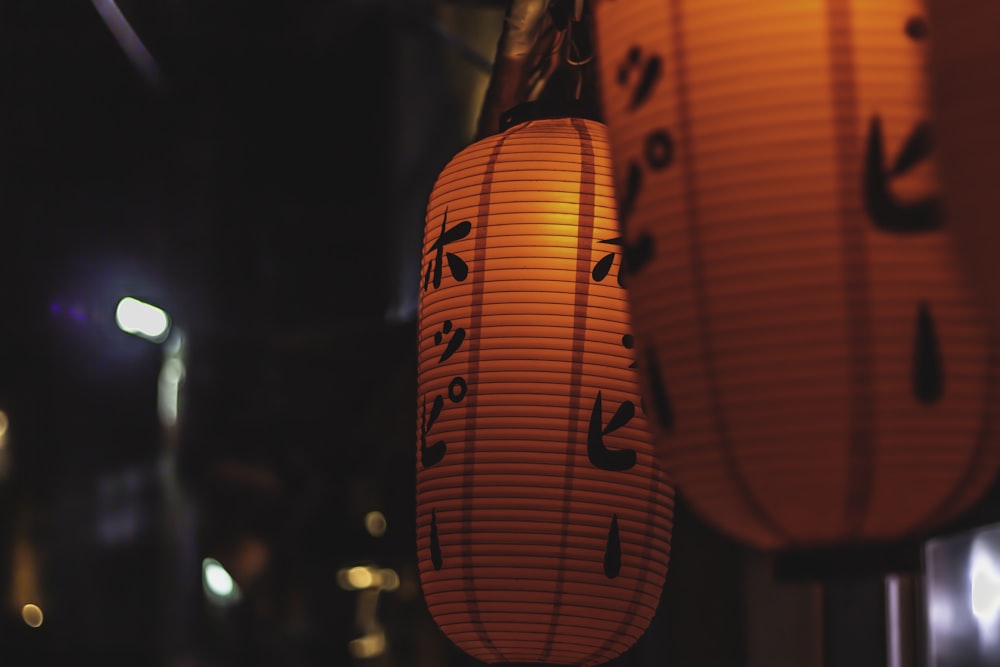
column 928, row 366
column 457, row 389
column 454, row 342
column 649, row 66
column 431, row 455
column 628, row 342
column 459, row 269
column 887, row 213
column 603, row 266
column 600, row 456
column 658, row 154
column 885, row 210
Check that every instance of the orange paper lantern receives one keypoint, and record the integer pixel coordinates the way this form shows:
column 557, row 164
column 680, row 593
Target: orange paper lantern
column 965, row 105
column 820, row 372
column 543, row 520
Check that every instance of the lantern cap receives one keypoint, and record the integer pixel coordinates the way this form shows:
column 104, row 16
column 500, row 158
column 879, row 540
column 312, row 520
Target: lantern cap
column 540, row 109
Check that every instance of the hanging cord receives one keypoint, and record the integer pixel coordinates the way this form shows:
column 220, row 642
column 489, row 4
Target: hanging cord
column 579, row 49
column 567, row 73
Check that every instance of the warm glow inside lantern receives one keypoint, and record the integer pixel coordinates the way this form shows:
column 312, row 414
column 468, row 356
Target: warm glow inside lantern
column 820, row 372
column 543, row 519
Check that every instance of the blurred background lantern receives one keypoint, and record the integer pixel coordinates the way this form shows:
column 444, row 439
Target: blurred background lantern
column 965, row 101
column 543, row 520
column 819, row 370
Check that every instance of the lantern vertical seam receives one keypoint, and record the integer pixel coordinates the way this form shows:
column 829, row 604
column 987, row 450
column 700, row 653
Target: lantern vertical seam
column 606, row 651
column 847, row 147
column 469, row 463
column 698, row 280
column 584, row 243
column 958, row 495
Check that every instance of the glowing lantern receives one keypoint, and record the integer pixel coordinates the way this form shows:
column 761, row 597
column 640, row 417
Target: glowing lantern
column 543, row 520
column 819, row 373
column 965, row 105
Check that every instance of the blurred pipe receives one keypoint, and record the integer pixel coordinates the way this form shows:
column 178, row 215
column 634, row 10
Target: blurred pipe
column 129, row 42
column 900, row 621
column 527, row 39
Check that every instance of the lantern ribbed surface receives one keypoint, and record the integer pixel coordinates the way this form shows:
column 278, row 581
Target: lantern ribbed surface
column 543, row 519
column 819, row 372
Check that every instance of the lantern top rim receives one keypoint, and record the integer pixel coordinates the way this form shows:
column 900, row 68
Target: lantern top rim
column 548, row 109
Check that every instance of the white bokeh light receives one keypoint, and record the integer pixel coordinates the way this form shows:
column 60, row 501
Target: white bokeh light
column 984, row 592
column 219, row 585
column 985, row 589
column 142, row 319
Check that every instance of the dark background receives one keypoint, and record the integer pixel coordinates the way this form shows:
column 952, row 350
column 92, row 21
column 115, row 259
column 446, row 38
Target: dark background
column 252, row 190
column 266, row 188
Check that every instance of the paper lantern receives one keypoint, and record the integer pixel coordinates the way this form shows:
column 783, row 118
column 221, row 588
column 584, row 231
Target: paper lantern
column 965, row 105
column 819, row 372
column 543, row 519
